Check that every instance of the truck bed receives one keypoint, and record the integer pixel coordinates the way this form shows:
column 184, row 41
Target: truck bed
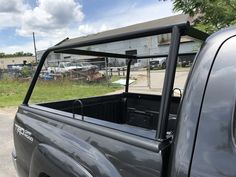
column 128, row 109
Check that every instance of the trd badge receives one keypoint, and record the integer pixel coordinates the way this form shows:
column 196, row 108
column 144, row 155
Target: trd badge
column 22, row 132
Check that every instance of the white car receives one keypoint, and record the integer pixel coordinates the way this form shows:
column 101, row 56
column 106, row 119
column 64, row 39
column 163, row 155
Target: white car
column 71, row 66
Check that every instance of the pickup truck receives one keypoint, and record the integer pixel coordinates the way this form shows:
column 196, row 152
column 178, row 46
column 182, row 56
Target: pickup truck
column 137, row 135
column 158, row 63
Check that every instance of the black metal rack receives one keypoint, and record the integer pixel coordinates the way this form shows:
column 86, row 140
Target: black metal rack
column 176, row 30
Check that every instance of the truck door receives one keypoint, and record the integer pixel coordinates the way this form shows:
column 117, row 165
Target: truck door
column 215, row 150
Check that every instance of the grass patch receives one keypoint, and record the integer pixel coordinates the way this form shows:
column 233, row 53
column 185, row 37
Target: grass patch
column 13, row 92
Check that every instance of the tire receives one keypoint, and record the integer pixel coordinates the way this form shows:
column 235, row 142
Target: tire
column 183, row 64
column 163, row 66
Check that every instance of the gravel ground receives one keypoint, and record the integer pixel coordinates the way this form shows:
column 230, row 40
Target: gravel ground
column 6, row 141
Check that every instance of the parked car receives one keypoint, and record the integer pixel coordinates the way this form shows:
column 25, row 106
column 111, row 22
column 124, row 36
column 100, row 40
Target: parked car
column 87, row 66
column 133, row 134
column 186, row 60
column 158, row 63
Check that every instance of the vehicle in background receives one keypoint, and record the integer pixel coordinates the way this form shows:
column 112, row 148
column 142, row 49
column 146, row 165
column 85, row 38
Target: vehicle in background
column 187, row 60
column 158, row 63
column 64, row 67
column 45, row 75
column 12, row 67
column 87, row 66
column 137, row 65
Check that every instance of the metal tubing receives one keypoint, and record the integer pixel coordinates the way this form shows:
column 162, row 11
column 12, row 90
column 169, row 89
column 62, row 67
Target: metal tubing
column 148, row 74
column 81, row 107
column 106, row 39
column 163, row 55
column 122, row 36
column 127, row 76
column 93, row 53
column 168, row 84
column 35, row 77
column 114, row 55
column 106, row 67
column 180, row 92
column 195, row 33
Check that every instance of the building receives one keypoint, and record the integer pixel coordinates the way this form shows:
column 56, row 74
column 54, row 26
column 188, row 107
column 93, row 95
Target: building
column 7, row 62
column 153, row 45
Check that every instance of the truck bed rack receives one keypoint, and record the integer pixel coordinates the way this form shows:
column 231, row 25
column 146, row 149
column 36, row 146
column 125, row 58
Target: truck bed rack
column 176, row 29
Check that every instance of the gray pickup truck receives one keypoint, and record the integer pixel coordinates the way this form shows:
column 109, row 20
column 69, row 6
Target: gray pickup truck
column 137, row 135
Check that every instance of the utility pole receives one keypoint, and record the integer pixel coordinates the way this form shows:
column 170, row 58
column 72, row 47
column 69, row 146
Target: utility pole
column 35, row 53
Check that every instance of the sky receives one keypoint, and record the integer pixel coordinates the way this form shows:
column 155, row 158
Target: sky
column 55, row 20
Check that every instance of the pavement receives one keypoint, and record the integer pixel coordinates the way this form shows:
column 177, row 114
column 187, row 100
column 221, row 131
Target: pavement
column 6, row 142
column 154, row 85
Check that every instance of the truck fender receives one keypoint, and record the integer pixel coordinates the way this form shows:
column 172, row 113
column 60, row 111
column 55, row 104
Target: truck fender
column 61, row 150
column 55, row 163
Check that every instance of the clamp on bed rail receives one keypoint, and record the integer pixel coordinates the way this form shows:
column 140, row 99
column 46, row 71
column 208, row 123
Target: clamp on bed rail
column 81, row 107
column 180, row 92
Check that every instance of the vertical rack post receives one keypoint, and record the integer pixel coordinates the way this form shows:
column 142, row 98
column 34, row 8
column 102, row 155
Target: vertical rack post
column 106, row 67
column 128, row 75
column 35, row 77
column 148, row 74
column 168, row 84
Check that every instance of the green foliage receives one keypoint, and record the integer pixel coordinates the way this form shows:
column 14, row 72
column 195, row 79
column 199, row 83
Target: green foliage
column 16, row 54
column 25, row 72
column 210, row 15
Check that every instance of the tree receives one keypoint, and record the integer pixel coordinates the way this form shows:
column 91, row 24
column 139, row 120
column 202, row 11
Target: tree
column 209, row 15
column 19, row 54
column 16, row 54
column 2, row 54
